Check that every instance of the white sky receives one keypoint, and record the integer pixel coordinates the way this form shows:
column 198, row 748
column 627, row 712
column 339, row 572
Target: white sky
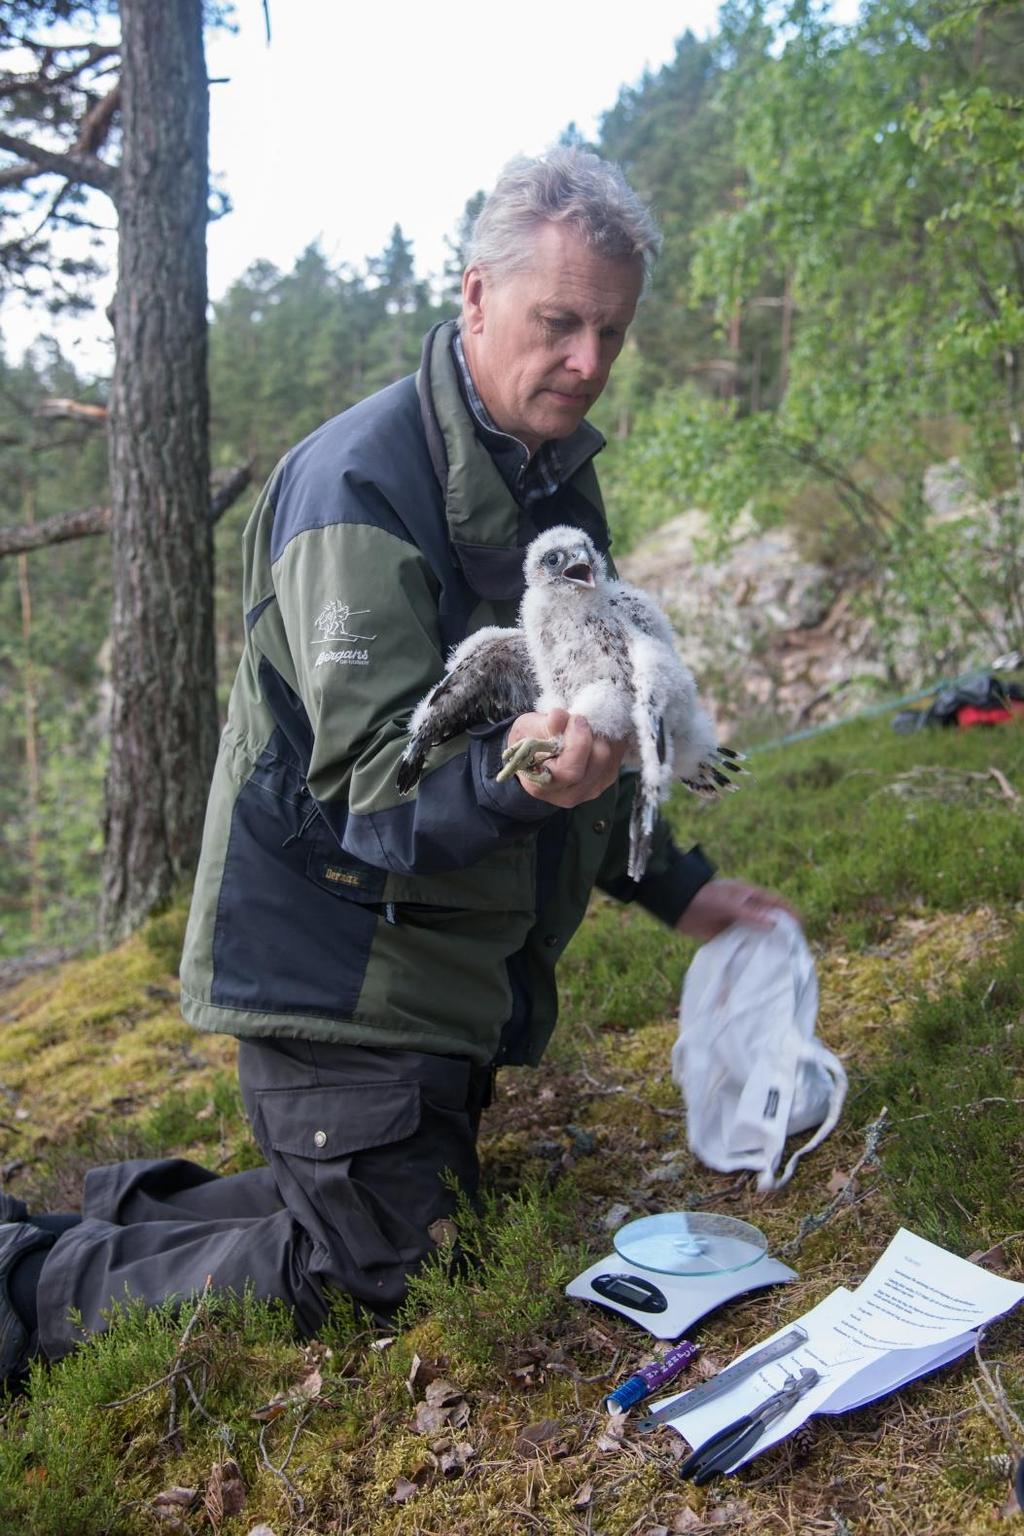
column 359, row 115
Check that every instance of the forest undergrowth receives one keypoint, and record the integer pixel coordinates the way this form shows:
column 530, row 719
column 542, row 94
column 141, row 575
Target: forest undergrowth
column 482, row 1412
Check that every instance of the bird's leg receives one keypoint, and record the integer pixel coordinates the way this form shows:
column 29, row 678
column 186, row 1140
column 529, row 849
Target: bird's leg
column 528, row 758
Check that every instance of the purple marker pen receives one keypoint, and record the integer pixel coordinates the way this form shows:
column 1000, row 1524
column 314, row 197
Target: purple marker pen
column 650, row 1377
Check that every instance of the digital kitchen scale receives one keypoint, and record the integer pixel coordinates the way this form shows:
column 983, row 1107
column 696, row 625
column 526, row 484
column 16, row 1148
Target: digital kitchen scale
column 669, row 1270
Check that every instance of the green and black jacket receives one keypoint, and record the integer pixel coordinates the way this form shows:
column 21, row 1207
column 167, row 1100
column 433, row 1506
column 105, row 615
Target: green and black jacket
column 326, row 905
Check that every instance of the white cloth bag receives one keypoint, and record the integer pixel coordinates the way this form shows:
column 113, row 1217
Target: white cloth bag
column 747, row 1059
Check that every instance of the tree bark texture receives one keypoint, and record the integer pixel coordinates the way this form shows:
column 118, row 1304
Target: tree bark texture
column 164, row 716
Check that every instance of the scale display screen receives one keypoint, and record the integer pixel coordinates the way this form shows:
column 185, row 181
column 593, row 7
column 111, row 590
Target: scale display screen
column 630, row 1291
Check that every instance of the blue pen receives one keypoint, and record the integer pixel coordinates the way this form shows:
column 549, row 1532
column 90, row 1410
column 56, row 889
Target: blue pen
column 650, row 1377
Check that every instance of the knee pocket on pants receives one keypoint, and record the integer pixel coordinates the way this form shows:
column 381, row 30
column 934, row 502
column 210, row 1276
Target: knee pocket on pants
column 314, row 1138
column 332, row 1122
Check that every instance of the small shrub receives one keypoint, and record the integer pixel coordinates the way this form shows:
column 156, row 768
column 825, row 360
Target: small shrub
column 504, row 1280
column 86, row 1449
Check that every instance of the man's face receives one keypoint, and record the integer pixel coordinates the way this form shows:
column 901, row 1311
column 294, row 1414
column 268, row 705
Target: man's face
column 541, row 342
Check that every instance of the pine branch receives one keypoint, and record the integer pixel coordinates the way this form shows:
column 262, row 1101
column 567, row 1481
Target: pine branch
column 224, row 492
column 11, row 85
column 225, row 488
column 55, row 530
column 55, row 409
column 92, row 135
column 37, row 161
column 55, row 203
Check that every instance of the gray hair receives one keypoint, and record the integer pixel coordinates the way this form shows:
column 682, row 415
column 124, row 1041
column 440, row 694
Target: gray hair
column 565, row 186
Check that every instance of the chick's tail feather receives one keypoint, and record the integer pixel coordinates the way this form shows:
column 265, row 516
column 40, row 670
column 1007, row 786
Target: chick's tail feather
column 642, row 819
column 410, row 766
column 711, row 777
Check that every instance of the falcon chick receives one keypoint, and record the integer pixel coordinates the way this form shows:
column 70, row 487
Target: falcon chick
column 597, row 648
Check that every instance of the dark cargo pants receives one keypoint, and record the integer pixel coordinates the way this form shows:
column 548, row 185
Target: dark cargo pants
column 356, row 1141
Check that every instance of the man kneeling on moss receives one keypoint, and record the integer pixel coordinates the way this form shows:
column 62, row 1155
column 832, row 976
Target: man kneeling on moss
column 378, row 956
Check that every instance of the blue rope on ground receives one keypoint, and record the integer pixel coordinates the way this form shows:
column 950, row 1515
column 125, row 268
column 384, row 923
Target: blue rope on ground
column 870, row 712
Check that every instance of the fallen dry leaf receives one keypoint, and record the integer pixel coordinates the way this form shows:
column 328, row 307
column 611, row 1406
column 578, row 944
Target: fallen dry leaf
column 302, row 1392
column 838, row 1182
column 611, row 1440
column 183, row 1498
column 529, row 1441
column 993, row 1258
column 707, row 1365
column 440, row 1393
column 735, row 1512
column 427, row 1420
column 422, row 1373
column 583, row 1496
column 443, row 1407
column 225, row 1492
column 403, row 1491
column 261, row 1530
column 1012, row 1505
column 686, row 1520
column 443, row 1232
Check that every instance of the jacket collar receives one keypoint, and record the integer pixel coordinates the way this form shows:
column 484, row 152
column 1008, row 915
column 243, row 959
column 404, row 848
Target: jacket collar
column 487, row 529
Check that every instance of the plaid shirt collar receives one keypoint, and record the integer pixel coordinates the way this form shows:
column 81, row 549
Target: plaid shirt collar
column 554, row 463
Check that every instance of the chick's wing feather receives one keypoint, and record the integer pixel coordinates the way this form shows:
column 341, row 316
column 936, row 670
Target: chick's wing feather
column 490, row 677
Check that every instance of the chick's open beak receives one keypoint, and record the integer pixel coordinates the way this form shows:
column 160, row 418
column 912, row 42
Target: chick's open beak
column 580, row 570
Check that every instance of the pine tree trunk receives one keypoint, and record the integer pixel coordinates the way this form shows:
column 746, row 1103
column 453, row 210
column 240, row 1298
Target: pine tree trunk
column 163, row 720
column 35, row 865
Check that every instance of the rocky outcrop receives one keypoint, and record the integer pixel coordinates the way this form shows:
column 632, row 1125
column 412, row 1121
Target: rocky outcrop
column 769, row 635
column 780, row 642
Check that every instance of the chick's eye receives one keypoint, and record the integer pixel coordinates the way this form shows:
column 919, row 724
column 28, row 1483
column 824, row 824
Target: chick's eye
column 551, row 558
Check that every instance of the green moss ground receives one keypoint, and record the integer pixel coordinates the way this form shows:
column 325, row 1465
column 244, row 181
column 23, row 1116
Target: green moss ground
column 906, row 858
